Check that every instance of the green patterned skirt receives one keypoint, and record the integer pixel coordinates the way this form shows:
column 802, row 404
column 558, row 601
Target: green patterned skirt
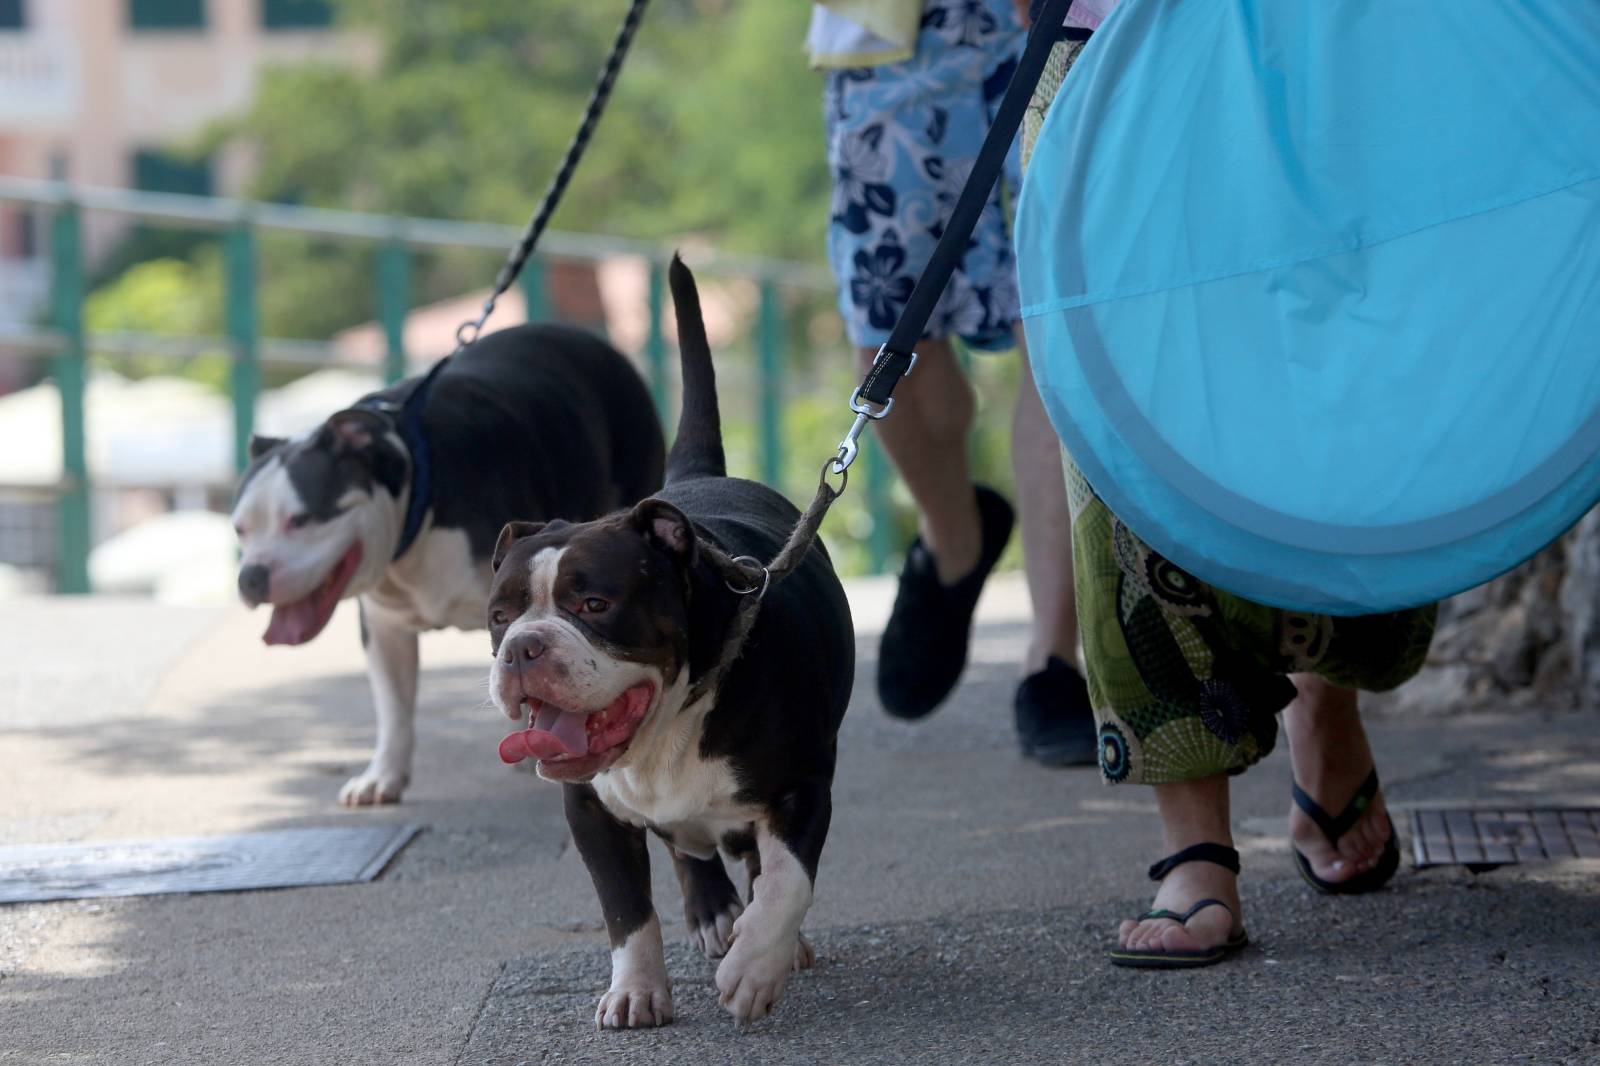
column 1186, row 679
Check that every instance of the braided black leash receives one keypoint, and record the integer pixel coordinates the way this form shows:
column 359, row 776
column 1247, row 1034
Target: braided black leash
column 468, row 331
column 408, row 411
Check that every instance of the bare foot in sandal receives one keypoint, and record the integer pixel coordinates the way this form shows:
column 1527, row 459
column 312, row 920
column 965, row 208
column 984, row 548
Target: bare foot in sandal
column 1196, row 918
column 1193, row 919
column 1338, row 825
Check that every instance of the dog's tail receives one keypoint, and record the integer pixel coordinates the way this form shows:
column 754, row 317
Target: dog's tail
column 697, row 450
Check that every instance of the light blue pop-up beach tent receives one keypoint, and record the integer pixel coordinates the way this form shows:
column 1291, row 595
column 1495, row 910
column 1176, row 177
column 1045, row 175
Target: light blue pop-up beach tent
column 1312, row 289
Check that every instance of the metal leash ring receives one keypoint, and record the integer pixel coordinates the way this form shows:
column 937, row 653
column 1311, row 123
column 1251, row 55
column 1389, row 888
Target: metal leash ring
column 831, row 466
column 469, row 331
column 760, row 589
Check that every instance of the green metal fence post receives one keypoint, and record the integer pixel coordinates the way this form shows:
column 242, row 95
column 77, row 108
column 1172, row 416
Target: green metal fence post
column 72, row 508
column 879, row 478
column 655, row 345
column 770, row 353
column 394, row 301
column 535, row 281
column 243, row 325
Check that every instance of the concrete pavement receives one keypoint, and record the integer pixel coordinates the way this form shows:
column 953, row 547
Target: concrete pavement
column 965, row 900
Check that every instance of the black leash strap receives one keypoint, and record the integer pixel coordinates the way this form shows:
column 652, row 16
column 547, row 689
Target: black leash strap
column 872, row 400
column 895, row 359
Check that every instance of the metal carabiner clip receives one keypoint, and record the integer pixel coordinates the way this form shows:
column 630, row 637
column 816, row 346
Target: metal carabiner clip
column 850, row 447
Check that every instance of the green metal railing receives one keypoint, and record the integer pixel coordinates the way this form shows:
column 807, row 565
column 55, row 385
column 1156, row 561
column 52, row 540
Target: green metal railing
column 71, row 374
column 397, row 241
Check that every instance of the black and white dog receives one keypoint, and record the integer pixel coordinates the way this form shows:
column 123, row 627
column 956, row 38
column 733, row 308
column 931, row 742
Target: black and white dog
column 398, row 501
column 605, row 631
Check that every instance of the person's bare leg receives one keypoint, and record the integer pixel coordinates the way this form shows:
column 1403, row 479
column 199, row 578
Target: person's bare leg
column 1192, row 812
column 926, row 440
column 1046, row 525
column 1331, row 758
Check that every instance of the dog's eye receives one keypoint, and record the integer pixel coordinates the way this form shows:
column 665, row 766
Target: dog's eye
column 595, row 605
column 298, row 521
column 497, row 617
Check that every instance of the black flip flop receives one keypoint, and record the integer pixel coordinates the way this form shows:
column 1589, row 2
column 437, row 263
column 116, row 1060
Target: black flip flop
column 1335, row 828
column 1186, row 960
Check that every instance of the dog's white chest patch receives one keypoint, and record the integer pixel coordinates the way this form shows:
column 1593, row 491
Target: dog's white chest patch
column 691, row 799
column 437, row 584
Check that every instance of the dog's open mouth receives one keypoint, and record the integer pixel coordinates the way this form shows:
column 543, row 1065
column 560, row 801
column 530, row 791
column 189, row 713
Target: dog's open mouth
column 576, row 745
column 298, row 622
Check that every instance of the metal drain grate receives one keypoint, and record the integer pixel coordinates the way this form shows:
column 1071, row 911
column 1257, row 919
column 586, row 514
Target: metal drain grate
column 1482, row 837
column 281, row 858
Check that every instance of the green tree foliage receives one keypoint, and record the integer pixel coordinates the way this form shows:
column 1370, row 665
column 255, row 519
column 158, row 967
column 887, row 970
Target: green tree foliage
column 462, row 109
column 715, row 126
column 169, row 297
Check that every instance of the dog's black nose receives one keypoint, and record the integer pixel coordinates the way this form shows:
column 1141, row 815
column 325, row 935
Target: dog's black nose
column 253, row 582
column 525, row 647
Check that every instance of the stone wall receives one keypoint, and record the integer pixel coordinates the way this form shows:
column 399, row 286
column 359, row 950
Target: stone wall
column 1531, row 636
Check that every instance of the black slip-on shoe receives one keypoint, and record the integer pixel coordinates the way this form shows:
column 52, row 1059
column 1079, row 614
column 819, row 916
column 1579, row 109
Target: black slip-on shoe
column 924, row 646
column 1055, row 724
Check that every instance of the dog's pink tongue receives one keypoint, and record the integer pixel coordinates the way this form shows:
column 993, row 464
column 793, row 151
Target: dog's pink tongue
column 292, row 623
column 569, row 730
column 554, row 732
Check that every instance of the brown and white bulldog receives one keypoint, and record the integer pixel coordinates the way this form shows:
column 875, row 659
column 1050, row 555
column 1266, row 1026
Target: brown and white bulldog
column 609, row 635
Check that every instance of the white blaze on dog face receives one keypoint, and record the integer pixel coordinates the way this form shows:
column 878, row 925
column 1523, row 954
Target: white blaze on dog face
column 589, row 627
column 318, row 518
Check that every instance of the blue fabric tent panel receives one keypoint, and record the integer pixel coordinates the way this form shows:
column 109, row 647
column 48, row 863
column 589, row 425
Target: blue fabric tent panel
column 1315, row 307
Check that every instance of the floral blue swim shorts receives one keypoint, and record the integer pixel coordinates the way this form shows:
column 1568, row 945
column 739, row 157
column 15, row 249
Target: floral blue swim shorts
column 902, row 139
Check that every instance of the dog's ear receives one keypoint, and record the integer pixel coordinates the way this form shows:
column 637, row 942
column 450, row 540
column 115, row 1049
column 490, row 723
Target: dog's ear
column 260, row 445
column 509, row 535
column 666, row 527
column 355, row 428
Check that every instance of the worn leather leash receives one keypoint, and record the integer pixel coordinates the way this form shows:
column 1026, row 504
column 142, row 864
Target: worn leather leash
column 873, row 399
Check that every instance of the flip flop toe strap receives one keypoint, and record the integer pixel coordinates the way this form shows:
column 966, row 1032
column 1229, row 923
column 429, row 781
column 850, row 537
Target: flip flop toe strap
column 1183, row 919
column 1335, row 827
column 1223, row 856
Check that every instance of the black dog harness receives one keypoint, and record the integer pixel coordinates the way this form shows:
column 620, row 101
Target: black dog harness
column 407, row 419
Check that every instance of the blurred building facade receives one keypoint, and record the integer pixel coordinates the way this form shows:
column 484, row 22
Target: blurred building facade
column 112, row 93
column 107, row 92
column 115, row 93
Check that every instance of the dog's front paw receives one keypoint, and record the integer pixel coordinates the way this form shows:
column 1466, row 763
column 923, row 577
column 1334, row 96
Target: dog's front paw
column 636, row 1004
column 753, row 975
column 373, row 786
column 713, row 936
